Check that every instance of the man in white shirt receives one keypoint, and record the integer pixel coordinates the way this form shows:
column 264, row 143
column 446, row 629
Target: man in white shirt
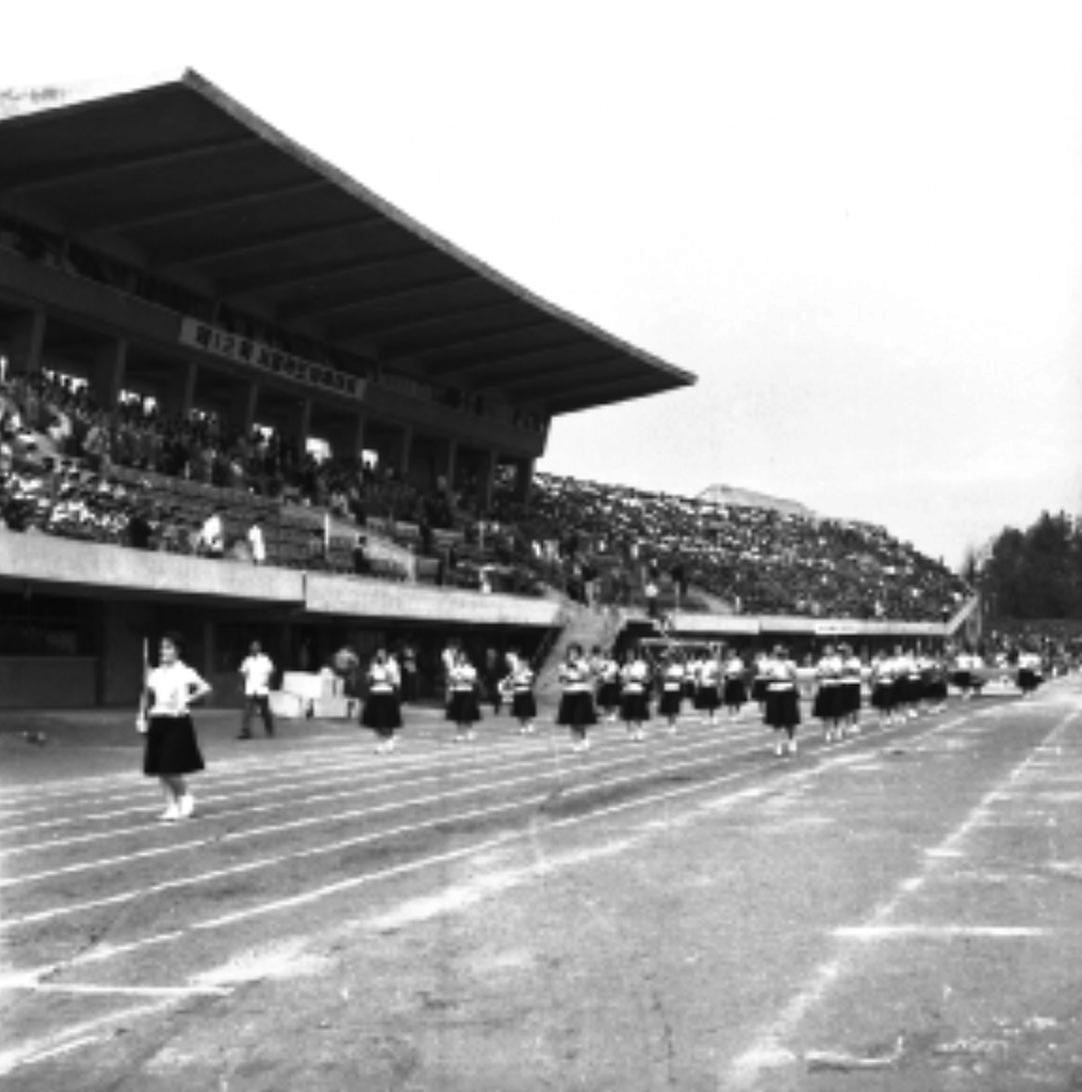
column 257, row 543
column 257, row 671
column 212, row 535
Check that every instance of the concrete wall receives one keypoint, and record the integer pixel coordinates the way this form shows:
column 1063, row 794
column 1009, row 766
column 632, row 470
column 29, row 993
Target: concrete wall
column 47, row 682
column 67, row 563
column 384, row 599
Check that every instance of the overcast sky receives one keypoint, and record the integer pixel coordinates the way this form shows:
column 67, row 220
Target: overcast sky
column 860, row 224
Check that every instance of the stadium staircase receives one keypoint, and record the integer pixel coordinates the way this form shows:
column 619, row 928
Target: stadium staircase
column 576, row 624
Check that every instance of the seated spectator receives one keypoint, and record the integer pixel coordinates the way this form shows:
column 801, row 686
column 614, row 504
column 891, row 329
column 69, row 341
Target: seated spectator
column 139, row 531
column 317, row 549
column 361, row 564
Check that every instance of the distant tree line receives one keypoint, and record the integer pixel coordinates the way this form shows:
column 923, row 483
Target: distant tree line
column 1031, row 574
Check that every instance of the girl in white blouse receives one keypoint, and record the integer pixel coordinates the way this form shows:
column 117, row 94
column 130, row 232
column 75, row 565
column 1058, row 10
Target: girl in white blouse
column 171, row 750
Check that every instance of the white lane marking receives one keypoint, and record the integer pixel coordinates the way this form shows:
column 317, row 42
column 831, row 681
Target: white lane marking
column 571, row 790
column 767, row 1049
column 90, row 990
column 283, row 800
column 76, row 1035
column 937, row 932
column 104, row 952
column 422, row 742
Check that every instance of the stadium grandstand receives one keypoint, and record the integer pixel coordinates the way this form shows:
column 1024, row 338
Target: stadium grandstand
column 241, row 395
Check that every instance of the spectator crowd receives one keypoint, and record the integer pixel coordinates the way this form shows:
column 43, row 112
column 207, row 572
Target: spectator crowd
column 71, row 467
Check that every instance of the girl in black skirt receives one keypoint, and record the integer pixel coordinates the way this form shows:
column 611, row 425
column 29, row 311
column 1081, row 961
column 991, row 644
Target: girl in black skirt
column 520, row 685
column 708, row 685
column 672, row 691
column 735, row 691
column 634, row 693
column 463, row 708
column 782, row 701
column 172, row 750
column 577, row 700
column 382, row 708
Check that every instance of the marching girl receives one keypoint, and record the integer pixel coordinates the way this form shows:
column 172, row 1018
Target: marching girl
column 933, row 683
column 607, row 671
column 693, row 665
column 1030, row 674
column 634, row 693
column 760, row 680
column 382, row 709
column 577, row 700
column 827, row 705
column 961, row 676
column 520, row 686
column 672, row 690
column 463, row 708
column 850, row 686
column 782, row 702
column 171, row 750
column 907, row 686
column 708, row 685
column 735, row 691
column 883, row 694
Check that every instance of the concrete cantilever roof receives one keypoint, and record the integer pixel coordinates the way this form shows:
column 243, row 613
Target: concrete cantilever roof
column 204, row 192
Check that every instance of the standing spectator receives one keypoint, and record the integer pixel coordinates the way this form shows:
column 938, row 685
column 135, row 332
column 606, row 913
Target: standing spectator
column 256, row 542
column 172, row 750
column 651, row 592
column 212, row 535
column 361, row 564
column 257, row 670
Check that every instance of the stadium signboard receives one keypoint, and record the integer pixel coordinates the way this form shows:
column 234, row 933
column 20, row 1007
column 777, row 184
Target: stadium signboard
column 255, row 354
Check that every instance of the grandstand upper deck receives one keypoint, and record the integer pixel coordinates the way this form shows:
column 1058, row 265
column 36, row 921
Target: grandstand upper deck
column 275, row 260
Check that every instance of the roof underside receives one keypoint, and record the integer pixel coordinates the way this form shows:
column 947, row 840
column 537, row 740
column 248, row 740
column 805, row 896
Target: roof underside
column 204, row 192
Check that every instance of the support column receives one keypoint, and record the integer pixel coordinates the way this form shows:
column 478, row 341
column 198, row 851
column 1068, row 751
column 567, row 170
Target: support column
column 182, row 389
column 107, row 378
column 405, row 452
column 358, row 436
column 523, row 478
column 452, row 461
column 304, row 426
column 28, row 343
column 242, row 410
column 488, row 480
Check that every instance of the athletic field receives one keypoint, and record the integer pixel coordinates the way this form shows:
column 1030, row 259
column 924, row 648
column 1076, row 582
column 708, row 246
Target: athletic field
column 899, row 911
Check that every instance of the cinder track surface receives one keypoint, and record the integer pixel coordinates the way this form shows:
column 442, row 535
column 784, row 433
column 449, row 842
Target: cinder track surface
column 900, row 911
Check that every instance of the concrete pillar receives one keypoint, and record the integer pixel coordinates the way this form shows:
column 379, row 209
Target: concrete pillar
column 452, row 461
column 107, row 376
column 181, row 396
column 406, row 450
column 243, row 408
column 523, row 478
column 304, row 426
column 358, row 436
column 28, row 342
column 488, row 476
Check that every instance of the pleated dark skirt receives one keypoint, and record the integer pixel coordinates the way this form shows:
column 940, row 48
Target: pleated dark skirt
column 381, row 712
column 576, row 709
column 171, row 749
column 523, row 705
column 782, row 708
column 463, row 707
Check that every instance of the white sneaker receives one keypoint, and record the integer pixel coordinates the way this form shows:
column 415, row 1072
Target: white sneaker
column 171, row 814
column 792, row 746
column 186, row 805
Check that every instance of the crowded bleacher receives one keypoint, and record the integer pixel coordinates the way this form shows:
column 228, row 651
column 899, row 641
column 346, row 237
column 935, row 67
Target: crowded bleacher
column 757, row 560
column 128, row 475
